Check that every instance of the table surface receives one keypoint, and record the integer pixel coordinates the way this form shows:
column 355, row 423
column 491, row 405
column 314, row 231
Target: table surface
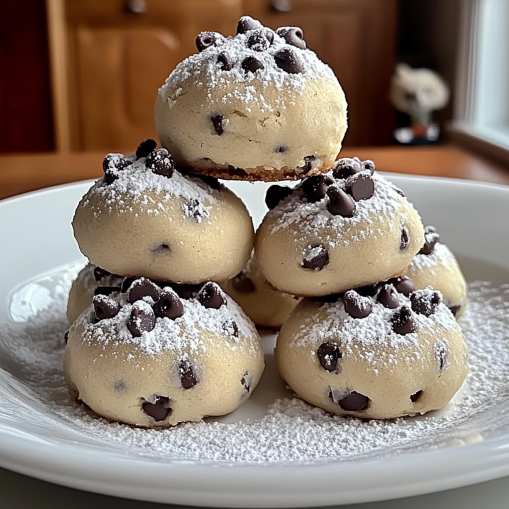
column 23, row 173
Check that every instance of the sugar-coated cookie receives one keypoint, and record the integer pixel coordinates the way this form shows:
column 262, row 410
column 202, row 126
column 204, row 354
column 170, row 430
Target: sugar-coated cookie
column 144, row 218
column 340, row 230
column 150, row 358
column 257, row 106
column 435, row 265
column 266, row 306
column 380, row 357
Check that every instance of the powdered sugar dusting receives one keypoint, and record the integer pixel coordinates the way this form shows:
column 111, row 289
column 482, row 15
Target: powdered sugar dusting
column 440, row 257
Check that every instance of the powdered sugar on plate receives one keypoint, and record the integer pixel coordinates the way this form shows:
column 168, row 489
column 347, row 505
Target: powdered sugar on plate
column 290, row 430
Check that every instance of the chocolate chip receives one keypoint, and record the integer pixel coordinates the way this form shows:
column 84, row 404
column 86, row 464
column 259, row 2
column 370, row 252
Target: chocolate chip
column 362, row 187
column 251, row 64
column 308, row 164
column 145, row 147
column 404, row 241
column 188, row 377
column 231, row 328
column 161, row 249
column 207, row 39
column 346, row 168
column 351, row 402
column 159, row 409
column 431, row 237
column 169, row 305
column 340, row 203
column 225, row 64
column 403, row 284
column 368, row 165
column 425, row 302
column 247, row 23
column 115, row 162
column 104, row 307
column 403, row 321
column 276, row 194
column 292, row 36
column 316, row 187
column 329, row 355
column 192, row 208
column 211, row 296
column 120, row 386
column 242, row 283
column 416, row 396
column 100, row 273
column 269, row 34
column 454, row 310
column 247, row 381
column 143, row 287
column 258, row 41
column 287, row 60
column 210, row 181
column 369, row 290
column 280, row 149
column 160, row 162
column 142, row 319
column 110, row 176
column 217, row 120
column 316, row 259
column 388, row 297
column 126, row 283
column 356, row 305
column 106, row 290
column 66, row 336
column 185, row 291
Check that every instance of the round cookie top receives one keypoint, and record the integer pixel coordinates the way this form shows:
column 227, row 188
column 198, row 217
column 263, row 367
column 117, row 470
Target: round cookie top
column 256, row 106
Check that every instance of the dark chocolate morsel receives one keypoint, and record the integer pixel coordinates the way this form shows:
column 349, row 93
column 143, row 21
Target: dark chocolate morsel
column 403, row 284
column 316, row 187
column 231, row 328
column 454, row 310
column 356, row 305
column 425, row 302
column 403, row 321
column 292, row 36
column 369, row 290
column 105, row 307
column 346, row 168
column 246, row 381
column 211, row 296
column 415, row 397
column 217, row 120
column 242, row 283
column 188, row 377
column 224, row 61
column 431, row 237
column 66, row 336
column 388, row 296
column 251, row 64
column 362, row 187
column 207, row 39
column 159, row 409
column 280, row 149
column 126, row 283
column 308, row 164
column 276, row 194
column 143, row 287
column 329, row 354
column 246, row 23
column 340, row 203
column 160, row 162
column 110, row 175
column 316, row 259
column 161, row 249
column 404, row 241
column 115, row 162
column 142, row 320
column 192, row 207
column 169, row 305
column 185, row 291
column 288, row 61
column 106, row 290
column 351, row 402
column 368, row 165
column 145, row 147
column 258, row 41
column 100, row 273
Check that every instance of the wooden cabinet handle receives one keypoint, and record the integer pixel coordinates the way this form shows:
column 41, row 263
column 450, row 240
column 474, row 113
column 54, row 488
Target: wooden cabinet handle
column 281, row 5
column 135, row 6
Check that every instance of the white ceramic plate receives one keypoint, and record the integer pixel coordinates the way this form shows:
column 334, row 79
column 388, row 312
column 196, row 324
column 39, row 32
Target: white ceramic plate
column 36, row 238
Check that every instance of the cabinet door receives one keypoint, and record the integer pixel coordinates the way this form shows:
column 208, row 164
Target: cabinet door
column 357, row 39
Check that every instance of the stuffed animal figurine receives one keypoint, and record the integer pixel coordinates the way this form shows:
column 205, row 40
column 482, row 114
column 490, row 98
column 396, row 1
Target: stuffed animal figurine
column 418, row 92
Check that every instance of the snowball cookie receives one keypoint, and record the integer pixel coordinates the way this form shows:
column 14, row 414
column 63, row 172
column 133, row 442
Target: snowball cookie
column 150, row 358
column 376, row 357
column 436, row 266
column 344, row 229
column 264, row 305
column 83, row 288
column 257, row 106
column 145, row 219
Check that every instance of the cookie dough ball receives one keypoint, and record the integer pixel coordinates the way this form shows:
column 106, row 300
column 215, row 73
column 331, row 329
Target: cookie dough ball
column 83, row 288
column 436, row 266
column 341, row 230
column 150, row 358
column 257, row 106
column 264, row 305
column 377, row 357
column 143, row 218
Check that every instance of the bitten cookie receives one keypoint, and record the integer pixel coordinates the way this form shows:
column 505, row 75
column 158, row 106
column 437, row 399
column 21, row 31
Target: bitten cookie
column 436, row 266
column 344, row 229
column 264, row 305
column 143, row 218
column 257, row 106
column 150, row 358
column 377, row 357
